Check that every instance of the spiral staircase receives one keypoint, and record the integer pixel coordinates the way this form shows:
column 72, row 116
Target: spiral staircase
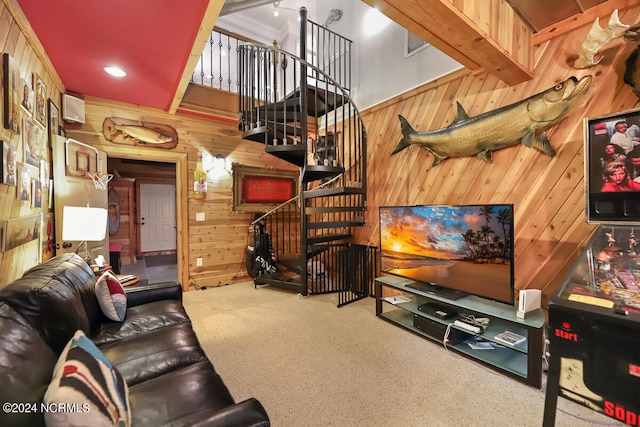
column 300, row 108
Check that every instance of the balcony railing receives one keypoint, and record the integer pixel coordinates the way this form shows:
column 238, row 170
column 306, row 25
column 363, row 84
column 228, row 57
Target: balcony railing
column 325, row 50
column 218, row 64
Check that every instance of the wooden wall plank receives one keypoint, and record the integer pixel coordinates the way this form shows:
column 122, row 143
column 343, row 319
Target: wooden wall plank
column 547, row 193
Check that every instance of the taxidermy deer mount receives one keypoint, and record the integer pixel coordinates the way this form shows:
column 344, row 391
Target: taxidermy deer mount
column 598, row 37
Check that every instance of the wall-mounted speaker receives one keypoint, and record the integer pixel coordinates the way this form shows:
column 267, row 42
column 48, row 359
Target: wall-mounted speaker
column 72, row 109
column 529, row 300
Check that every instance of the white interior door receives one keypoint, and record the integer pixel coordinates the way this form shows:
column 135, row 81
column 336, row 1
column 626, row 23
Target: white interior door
column 157, row 217
column 69, row 189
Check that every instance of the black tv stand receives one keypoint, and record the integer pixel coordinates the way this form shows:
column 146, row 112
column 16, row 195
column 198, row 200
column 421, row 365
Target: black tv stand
column 432, row 289
column 520, row 361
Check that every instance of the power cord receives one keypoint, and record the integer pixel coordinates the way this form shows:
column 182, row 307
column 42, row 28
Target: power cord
column 445, row 339
column 483, row 322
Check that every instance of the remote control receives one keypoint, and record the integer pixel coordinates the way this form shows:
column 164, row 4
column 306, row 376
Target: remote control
column 467, row 327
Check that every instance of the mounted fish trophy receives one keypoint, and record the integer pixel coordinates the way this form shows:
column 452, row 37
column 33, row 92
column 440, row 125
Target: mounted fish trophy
column 131, row 132
column 598, row 37
column 523, row 121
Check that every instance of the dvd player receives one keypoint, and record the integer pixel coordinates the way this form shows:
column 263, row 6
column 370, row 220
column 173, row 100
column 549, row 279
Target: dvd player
column 437, row 310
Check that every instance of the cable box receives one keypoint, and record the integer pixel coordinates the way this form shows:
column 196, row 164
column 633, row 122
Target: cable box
column 437, row 330
column 437, row 310
column 430, row 327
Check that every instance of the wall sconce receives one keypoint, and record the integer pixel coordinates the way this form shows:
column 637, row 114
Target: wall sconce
column 214, row 166
column 83, row 225
column 219, row 162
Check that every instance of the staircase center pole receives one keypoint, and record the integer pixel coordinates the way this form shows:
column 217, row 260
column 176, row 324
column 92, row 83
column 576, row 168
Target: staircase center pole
column 304, row 116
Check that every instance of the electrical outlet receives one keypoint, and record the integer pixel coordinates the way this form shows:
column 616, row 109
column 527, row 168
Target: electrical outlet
column 199, row 262
column 200, row 216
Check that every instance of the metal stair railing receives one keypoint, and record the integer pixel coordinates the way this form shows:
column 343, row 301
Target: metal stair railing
column 281, row 119
column 295, row 107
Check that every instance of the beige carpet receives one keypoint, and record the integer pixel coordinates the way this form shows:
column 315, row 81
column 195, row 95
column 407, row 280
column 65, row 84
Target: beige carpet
column 312, row 364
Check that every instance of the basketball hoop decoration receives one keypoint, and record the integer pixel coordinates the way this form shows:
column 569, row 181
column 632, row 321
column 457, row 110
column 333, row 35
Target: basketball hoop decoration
column 81, row 159
column 100, row 180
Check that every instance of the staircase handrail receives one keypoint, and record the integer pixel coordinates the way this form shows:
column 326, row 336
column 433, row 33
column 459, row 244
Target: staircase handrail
column 291, row 200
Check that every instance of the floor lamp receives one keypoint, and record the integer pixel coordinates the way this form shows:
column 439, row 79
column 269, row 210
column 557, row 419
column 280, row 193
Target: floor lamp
column 84, row 225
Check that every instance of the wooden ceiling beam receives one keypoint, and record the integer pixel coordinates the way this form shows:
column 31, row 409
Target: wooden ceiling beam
column 476, row 33
column 206, row 26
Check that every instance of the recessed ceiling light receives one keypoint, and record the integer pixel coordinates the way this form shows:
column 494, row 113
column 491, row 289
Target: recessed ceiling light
column 115, row 71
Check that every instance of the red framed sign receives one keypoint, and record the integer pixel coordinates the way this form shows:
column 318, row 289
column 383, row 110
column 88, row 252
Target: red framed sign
column 259, row 190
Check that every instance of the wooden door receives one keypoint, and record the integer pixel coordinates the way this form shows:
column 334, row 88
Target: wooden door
column 157, row 217
column 72, row 187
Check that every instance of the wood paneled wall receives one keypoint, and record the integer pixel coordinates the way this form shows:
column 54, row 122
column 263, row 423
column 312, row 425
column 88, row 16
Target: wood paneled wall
column 14, row 42
column 547, row 193
column 222, row 238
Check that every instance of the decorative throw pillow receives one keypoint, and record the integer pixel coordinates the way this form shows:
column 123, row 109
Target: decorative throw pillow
column 86, row 389
column 111, row 297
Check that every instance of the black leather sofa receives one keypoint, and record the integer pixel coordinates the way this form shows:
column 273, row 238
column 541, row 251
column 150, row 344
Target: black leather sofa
column 171, row 381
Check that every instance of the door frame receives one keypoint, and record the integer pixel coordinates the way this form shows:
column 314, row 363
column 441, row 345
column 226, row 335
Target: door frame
column 182, row 224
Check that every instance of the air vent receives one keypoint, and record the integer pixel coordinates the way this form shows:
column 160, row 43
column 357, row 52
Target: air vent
column 413, row 43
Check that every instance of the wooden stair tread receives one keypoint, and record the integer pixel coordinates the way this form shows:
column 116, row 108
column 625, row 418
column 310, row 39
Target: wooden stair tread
column 316, row 172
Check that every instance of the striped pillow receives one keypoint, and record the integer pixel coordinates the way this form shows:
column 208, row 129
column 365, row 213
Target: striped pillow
column 86, row 389
column 111, row 297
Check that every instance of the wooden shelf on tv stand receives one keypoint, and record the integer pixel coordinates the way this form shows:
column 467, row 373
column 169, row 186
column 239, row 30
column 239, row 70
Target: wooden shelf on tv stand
column 522, row 361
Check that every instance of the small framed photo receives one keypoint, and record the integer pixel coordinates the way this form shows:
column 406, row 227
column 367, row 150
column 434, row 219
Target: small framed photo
column 44, row 173
column 26, row 97
column 11, row 81
column 8, row 164
column 40, row 107
column 54, row 120
column 36, row 194
column 32, row 142
column 24, row 184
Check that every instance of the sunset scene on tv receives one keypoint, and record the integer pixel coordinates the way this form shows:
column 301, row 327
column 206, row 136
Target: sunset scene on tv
column 467, row 248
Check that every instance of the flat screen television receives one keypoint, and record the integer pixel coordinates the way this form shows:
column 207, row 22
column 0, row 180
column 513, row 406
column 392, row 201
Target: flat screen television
column 467, row 249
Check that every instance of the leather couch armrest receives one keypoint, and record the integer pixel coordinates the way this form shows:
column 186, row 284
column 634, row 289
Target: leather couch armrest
column 248, row 413
column 142, row 294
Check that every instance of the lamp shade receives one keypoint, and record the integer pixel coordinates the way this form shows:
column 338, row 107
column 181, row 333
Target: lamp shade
column 84, row 224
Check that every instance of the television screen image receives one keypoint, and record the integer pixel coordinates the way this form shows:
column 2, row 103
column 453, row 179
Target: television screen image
column 468, row 248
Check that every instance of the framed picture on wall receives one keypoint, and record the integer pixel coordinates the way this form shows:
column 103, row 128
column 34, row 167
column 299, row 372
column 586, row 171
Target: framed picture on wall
column 32, row 141
column 8, row 164
column 11, row 81
column 18, row 231
column 612, row 167
column 24, row 183
column 54, row 120
column 26, row 97
column 48, row 236
column 259, row 190
column 36, row 194
column 40, row 106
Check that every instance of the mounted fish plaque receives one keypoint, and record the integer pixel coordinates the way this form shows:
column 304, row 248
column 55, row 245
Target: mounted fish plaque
column 523, row 121
column 136, row 133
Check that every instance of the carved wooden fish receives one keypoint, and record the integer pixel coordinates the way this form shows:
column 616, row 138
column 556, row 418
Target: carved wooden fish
column 523, row 121
column 140, row 133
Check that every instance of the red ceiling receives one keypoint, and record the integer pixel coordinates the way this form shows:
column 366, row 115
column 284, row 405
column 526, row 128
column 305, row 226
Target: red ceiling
column 150, row 39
